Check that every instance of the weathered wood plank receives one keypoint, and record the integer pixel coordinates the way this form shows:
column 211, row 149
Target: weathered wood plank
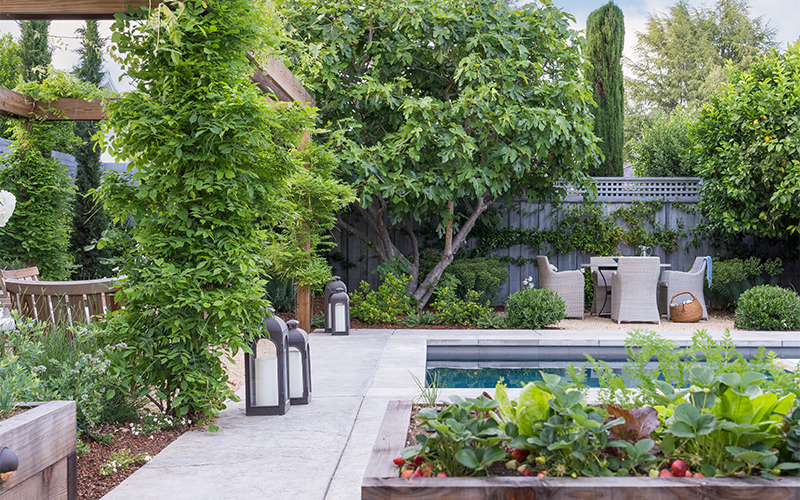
column 380, row 481
column 51, row 483
column 18, row 105
column 40, row 437
column 278, row 79
column 68, row 9
column 529, row 488
column 391, row 440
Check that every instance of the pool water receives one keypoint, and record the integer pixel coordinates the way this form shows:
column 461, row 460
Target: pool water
column 484, row 378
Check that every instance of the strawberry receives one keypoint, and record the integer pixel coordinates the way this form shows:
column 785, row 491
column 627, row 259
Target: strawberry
column 527, row 472
column 698, row 474
column 418, row 460
column 519, row 455
column 399, row 461
column 407, row 473
column 665, row 473
column 679, row 468
column 540, row 475
column 441, row 474
column 417, row 473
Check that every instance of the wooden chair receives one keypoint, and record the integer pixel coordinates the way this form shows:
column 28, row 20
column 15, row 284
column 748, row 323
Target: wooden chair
column 72, row 302
column 27, row 274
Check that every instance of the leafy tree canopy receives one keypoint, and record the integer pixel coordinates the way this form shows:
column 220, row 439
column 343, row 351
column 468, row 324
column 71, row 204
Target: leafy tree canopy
column 681, row 55
column 436, row 103
column 749, row 145
column 35, row 49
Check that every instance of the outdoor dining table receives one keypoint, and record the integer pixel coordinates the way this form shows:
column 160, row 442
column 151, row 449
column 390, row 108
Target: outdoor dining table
column 610, row 267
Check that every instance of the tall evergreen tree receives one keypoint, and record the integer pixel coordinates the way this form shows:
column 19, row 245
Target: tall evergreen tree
column 89, row 220
column 35, row 49
column 605, row 38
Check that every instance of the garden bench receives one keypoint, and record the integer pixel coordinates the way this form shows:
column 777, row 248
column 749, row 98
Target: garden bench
column 72, row 302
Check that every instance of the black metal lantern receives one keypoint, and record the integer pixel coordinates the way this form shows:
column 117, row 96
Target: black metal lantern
column 340, row 313
column 8, row 463
column 299, row 364
column 330, row 289
column 266, row 373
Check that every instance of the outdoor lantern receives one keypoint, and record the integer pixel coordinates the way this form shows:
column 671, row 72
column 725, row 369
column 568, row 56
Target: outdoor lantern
column 299, row 364
column 330, row 289
column 266, row 373
column 340, row 312
column 8, row 463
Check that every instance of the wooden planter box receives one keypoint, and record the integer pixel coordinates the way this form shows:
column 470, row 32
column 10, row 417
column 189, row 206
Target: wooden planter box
column 43, row 439
column 381, row 482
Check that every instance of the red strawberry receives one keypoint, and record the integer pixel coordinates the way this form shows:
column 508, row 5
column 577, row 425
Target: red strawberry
column 407, row 473
column 679, row 468
column 698, row 474
column 399, row 461
column 418, row 460
column 417, row 473
column 665, row 473
column 519, row 455
column 526, row 472
column 441, row 474
column 540, row 475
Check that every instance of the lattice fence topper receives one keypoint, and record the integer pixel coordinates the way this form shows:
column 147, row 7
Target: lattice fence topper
column 621, row 189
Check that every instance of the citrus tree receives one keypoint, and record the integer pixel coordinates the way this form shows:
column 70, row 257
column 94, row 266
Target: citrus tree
column 749, row 146
column 438, row 108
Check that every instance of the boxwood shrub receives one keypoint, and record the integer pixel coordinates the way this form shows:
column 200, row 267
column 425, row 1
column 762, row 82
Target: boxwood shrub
column 768, row 307
column 534, row 308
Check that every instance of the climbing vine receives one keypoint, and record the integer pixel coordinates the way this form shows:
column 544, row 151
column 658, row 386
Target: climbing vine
column 585, row 228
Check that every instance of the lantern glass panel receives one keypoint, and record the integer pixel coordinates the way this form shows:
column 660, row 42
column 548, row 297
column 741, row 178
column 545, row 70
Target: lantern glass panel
column 265, row 373
column 295, row 373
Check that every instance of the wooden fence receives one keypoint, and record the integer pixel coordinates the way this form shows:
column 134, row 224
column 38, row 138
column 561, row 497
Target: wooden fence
column 680, row 196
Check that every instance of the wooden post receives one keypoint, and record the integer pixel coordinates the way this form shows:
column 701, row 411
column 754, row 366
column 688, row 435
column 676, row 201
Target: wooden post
column 304, row 299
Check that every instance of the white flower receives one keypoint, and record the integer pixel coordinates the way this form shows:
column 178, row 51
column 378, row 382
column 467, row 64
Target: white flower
column 7, row 204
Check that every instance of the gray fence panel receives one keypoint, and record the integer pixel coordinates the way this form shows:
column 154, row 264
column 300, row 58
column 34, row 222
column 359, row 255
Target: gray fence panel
column 678, row 194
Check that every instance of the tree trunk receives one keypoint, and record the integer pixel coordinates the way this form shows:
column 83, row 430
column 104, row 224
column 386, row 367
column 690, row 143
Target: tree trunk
column 387, row 251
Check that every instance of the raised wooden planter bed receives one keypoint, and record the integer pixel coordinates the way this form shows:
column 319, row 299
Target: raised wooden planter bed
column 381, row 482
column 43, row 439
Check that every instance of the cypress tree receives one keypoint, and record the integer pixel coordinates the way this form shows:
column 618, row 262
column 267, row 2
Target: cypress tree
column 89, row 220
column 605, row 38
column 34, row 49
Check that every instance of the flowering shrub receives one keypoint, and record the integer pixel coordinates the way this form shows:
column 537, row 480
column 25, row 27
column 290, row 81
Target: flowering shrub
column 385, row 305
column 153, row 422
column 768, row 307
column 121, row 460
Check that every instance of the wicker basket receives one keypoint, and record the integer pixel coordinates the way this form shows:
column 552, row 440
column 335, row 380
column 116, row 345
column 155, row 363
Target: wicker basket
column 685, row 313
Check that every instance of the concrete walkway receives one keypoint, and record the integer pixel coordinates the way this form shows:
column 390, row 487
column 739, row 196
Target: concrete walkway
column 319, row 451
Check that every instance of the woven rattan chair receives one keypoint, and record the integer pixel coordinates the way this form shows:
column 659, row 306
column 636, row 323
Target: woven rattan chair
column 602, row 284
column 634, row 290
column 568, row 285
column 673, row 282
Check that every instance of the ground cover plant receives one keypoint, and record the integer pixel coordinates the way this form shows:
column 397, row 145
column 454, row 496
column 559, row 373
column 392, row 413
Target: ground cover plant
column 726, row 418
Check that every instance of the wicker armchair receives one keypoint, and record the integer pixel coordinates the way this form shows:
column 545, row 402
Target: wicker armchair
column 602, row 284
column 568, row 285
column 634, row 290
column 673, row 282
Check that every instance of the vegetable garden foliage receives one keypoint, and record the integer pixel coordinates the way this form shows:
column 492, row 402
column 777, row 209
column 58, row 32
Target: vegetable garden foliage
column 212, row 157
column 749, row 139
column 605, row 37
column 39, row 232
column 436, row 104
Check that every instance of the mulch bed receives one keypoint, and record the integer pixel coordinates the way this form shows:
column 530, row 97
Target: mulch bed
column 91, row 484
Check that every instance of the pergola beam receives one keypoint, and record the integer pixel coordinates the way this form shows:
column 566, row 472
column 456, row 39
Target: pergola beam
column 68, row 10
column 18, row 105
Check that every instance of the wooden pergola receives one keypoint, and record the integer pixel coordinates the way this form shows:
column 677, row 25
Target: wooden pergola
column 273, row 77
